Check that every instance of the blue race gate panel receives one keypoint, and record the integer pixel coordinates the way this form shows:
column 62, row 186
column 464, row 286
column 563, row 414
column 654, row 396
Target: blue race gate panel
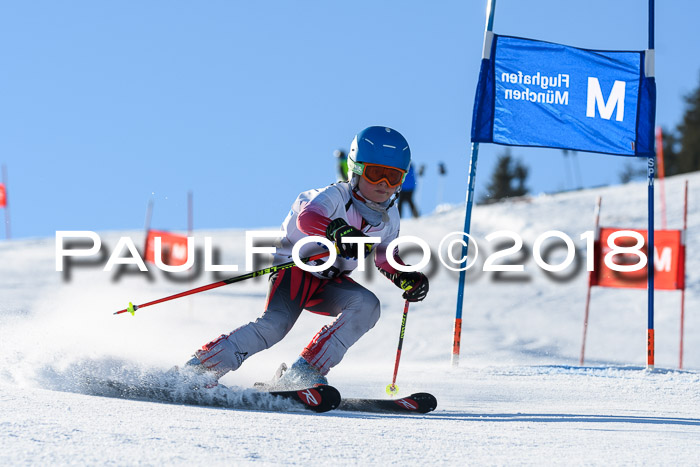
column 541, row 94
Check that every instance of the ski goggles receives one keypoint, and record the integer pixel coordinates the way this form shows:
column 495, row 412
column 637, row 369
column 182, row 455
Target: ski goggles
column 375, row 173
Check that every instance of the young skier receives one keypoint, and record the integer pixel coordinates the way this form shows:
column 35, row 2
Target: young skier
column 362, row 207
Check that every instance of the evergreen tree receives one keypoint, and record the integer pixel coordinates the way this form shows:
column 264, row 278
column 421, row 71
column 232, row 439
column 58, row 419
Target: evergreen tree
column 682, row 148
column 635, row 169
column 671, row 146
column 507, row 180
column 689, row 134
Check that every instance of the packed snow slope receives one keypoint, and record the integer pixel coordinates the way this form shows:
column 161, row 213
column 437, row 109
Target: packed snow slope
column 518, row 396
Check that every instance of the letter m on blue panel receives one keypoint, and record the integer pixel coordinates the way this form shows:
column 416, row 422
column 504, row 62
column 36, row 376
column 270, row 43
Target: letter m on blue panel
column 533, row 93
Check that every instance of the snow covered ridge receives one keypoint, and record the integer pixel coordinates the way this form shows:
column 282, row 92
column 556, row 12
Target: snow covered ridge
column 517, row 397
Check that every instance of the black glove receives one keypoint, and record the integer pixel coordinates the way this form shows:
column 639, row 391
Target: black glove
column 414, row 284
column 337, row 230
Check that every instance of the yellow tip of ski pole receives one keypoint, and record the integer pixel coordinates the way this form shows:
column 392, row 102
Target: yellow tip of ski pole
column 132, row 309
column 392, row 389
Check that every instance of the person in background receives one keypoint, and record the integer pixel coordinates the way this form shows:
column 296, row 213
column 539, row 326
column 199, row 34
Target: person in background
column 342, row 160
column 407, row 189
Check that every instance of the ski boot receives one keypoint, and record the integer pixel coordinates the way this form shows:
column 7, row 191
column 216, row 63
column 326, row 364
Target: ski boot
column 206, row 377
column 301, row 375
column 271, row 385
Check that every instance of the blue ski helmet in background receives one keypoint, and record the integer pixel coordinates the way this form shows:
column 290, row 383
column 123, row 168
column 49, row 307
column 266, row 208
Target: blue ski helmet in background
column 378, row 145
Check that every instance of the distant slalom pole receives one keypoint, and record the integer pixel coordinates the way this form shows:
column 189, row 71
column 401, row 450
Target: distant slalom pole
column 4, row 203
column 596, row 233
column 684, row 239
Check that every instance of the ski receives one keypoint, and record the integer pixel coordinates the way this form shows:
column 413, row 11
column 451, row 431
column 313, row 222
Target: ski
column 321, row 398
column 420, row 402
column 318, row 399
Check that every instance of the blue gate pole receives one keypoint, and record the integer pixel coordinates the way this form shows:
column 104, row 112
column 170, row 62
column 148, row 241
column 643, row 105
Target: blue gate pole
column 650, row 265
column 456, row 341
column 650, row 229
column 457, row 334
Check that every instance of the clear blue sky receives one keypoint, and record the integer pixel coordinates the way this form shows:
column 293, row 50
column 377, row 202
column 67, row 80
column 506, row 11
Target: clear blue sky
column 105, row 105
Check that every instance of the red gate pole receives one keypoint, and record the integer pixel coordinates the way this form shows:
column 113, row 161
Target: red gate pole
column 7, row 203
column 682, row 258
column 590, row 280
column 190, row 213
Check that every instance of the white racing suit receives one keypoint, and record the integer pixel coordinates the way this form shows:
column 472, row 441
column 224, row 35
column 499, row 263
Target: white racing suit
column 330, row 292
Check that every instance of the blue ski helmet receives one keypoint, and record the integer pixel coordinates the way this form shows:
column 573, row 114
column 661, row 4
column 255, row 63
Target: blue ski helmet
column 378, row 145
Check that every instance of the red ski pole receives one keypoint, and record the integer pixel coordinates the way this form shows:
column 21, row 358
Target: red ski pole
column 393, row 389
column 132, row 308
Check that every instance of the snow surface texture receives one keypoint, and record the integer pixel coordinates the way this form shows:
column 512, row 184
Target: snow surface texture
column 518, row 396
